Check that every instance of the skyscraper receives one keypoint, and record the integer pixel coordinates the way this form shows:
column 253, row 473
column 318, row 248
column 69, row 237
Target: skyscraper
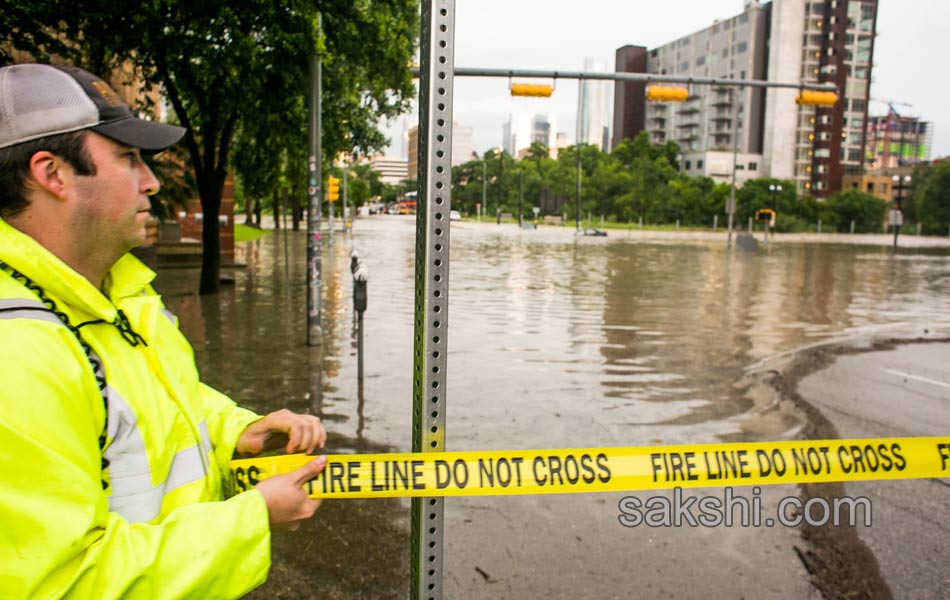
column 595, row 99
column 523, row 129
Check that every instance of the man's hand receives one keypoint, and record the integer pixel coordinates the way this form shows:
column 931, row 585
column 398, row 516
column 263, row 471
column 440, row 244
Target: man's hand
column 288, row 505
column 300, row 433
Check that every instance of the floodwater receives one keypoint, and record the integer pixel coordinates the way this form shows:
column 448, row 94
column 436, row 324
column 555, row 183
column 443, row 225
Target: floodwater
column 554, row 341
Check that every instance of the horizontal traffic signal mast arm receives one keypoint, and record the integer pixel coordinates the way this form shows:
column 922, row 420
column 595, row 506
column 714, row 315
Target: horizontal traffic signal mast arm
column 641, row 77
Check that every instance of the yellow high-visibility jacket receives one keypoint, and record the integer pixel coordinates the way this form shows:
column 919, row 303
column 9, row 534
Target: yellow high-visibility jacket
column 153, row 523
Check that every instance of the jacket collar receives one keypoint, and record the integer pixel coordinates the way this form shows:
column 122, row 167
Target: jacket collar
column 128, row 277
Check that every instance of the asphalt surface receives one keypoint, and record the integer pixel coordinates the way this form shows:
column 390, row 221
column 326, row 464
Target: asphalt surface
column 901, row 392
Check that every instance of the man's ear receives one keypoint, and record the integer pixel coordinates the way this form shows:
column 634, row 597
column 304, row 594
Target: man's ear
column 50, row 173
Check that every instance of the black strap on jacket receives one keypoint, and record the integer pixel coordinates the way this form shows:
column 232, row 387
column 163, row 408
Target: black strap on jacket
column 121, row 323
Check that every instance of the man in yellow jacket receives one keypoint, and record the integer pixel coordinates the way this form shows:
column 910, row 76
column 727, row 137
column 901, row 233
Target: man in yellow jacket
column 113, row 455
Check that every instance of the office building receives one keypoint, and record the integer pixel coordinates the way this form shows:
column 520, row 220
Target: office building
column 595, row 102
column 524, row 129
column 391, row 170
column 462, row 148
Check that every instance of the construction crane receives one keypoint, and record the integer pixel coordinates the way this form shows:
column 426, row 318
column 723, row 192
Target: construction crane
column 888, row 127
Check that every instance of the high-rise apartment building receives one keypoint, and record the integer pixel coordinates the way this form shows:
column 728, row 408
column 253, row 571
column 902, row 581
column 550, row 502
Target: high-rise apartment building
column 629, row 108
column 523, row 129
column 835, row 40
column 595, row 100
column 805, row 41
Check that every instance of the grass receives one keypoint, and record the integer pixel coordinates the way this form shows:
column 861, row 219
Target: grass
column 246, row 233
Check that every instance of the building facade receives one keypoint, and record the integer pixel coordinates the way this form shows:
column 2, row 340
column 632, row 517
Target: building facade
column 391, row 170
column 804, row 41
column 894, row 141
column 524, row 129
column 462, row 148
column 595, row 100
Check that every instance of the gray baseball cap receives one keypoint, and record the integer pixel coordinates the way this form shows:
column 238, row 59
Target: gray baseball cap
column 42, row 100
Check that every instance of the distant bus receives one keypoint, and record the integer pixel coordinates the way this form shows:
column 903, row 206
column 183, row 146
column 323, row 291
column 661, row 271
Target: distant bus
column 408, row 205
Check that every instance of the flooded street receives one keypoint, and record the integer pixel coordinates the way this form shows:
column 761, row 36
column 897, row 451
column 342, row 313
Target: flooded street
column 554, row 342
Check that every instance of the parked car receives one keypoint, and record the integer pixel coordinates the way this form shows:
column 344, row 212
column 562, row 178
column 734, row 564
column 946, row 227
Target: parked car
column 455, row 215
column 591, row 231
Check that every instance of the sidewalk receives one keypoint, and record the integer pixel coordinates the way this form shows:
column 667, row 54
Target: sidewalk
column 901, row 392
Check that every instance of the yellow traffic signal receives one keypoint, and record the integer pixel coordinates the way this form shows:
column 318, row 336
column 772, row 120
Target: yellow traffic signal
column 333, row 189
column 665, row 93
column 538, row 90
column 814, row 98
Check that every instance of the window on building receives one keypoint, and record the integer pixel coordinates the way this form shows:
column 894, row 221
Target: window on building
column 699, row 164
column 684, row 66
column 688, row 165
column 652, row 53
column 741, row 74
column 753, row 166
column 725, row 52
column 700, row 61
column 740, row 167
column 741, row 47
column 854, row 155
column 859, row 105
column 870, row 187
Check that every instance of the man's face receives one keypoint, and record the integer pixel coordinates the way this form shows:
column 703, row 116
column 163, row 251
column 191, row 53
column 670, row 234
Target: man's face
column 112, row 205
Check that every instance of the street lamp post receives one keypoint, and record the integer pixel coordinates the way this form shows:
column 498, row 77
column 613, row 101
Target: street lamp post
column 774, row 189
column 897, row 218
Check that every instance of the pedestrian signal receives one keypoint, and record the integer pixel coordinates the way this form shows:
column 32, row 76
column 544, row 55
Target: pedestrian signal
column 665, row 93
column 333, row 189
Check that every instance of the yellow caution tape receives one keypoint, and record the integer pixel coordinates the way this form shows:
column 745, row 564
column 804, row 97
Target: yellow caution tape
column 576, row 470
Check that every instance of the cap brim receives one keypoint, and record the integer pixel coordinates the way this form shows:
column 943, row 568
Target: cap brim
column 148, row 136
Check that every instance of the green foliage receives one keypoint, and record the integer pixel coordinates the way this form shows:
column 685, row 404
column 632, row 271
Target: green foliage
column 239, row 70
column 865, row 210
column 642, row 181
column 930, row 195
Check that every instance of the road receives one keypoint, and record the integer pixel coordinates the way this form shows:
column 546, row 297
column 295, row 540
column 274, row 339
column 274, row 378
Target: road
column 904, row 391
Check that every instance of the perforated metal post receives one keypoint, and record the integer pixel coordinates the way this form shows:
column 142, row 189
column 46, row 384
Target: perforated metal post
column 432, row 281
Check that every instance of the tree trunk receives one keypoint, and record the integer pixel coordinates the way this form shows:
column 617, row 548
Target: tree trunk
column 211, row 254
column 257, row 213
column 248, row 210
column 276, row 205
column 298, row 208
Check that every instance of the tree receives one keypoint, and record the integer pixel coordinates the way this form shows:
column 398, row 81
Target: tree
column 225, row 63
column 930, row 192
column 866, row 211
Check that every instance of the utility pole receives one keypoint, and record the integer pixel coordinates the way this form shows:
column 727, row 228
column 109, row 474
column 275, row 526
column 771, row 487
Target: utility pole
column 314, row 194
column 520, row 198
column 580, row 108
column 731, row 209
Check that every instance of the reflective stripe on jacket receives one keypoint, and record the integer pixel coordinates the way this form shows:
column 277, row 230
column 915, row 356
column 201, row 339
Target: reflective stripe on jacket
column 162, row 527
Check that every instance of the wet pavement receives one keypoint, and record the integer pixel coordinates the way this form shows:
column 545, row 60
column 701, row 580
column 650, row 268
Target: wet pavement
column 554, row 342
column 900, row 392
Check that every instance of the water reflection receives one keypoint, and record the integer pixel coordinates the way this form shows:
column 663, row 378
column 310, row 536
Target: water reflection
column 554, row 342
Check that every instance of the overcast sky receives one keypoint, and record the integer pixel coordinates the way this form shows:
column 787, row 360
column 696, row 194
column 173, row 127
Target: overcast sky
column 912, row 44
